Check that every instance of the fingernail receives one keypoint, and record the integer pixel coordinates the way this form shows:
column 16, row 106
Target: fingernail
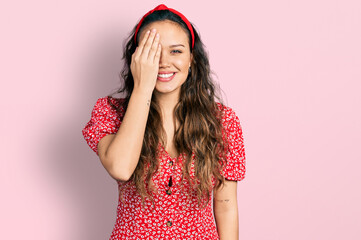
column 153, row 30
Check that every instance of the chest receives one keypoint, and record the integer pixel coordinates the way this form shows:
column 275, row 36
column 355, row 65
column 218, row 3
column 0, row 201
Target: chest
column 170, row 148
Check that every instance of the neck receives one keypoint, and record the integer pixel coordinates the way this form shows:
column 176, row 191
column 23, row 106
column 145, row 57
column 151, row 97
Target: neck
column 167, row 102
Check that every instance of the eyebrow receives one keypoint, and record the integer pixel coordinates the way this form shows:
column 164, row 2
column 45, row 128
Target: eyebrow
column 176, row 45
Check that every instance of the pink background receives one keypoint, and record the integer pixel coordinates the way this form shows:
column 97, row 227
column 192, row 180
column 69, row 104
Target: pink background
column 290, row 70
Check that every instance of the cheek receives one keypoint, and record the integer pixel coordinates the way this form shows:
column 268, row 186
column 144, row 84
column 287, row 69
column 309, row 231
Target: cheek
column 182, row 63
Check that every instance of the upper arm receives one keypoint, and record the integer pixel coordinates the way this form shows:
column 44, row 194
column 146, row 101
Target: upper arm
column 225, row 198
column 100, row 130
column 235, row 169
column 104, row 121
column 102, row 147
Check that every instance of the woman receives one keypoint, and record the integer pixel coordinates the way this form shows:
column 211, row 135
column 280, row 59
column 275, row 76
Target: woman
column 168, row 143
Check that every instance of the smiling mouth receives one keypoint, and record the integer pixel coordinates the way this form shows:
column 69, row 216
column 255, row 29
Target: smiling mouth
column 166, row 77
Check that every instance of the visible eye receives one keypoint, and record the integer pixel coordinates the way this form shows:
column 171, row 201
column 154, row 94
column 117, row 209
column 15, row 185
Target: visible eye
column 176, row 51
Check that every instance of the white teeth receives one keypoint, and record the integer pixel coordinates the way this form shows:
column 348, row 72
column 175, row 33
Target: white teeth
column 165, row 75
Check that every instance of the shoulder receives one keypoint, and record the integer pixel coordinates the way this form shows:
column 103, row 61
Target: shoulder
column 109, row 105
column 228, row 114
column 107, row 101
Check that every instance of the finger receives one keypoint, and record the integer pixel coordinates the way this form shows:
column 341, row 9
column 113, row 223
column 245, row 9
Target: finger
column 133, row 55
column 148, row 45
column 135, row 52
column 141, row 44
column 157, row 54
column 154, row 48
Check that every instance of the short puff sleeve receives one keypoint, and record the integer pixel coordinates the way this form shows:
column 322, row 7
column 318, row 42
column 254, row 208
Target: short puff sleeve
column 235, row 169
column 104, row 120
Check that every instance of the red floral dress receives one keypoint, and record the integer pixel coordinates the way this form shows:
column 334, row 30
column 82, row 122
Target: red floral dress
column 174, row 216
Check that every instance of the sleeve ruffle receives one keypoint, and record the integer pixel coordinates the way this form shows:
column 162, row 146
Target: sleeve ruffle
column 104, row 120
column 235, row 169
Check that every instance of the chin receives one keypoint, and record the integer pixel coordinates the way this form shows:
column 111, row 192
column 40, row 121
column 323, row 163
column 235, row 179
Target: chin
column 164, row 89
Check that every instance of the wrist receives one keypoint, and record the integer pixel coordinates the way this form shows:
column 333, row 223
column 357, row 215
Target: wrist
column 142, row 95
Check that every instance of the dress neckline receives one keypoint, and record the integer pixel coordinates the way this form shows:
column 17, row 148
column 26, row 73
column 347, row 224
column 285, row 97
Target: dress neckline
column 165, row 151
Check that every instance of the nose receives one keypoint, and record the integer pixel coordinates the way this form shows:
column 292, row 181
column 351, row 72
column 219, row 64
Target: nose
column 163, row 60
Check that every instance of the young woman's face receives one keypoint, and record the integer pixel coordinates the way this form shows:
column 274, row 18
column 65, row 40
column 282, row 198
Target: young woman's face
column 175, row 56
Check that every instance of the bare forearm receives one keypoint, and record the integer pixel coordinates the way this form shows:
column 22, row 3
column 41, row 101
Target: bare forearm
column 124, row 151
column 227, row 224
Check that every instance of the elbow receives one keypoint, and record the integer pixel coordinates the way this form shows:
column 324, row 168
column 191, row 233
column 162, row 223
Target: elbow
column 118, row 168
column 119, row 172
column 119, row 177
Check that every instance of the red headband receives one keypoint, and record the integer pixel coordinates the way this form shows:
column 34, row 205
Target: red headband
column 164, row 7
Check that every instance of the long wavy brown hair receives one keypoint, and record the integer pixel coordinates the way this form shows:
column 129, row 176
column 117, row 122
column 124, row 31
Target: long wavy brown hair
column 200, row 130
